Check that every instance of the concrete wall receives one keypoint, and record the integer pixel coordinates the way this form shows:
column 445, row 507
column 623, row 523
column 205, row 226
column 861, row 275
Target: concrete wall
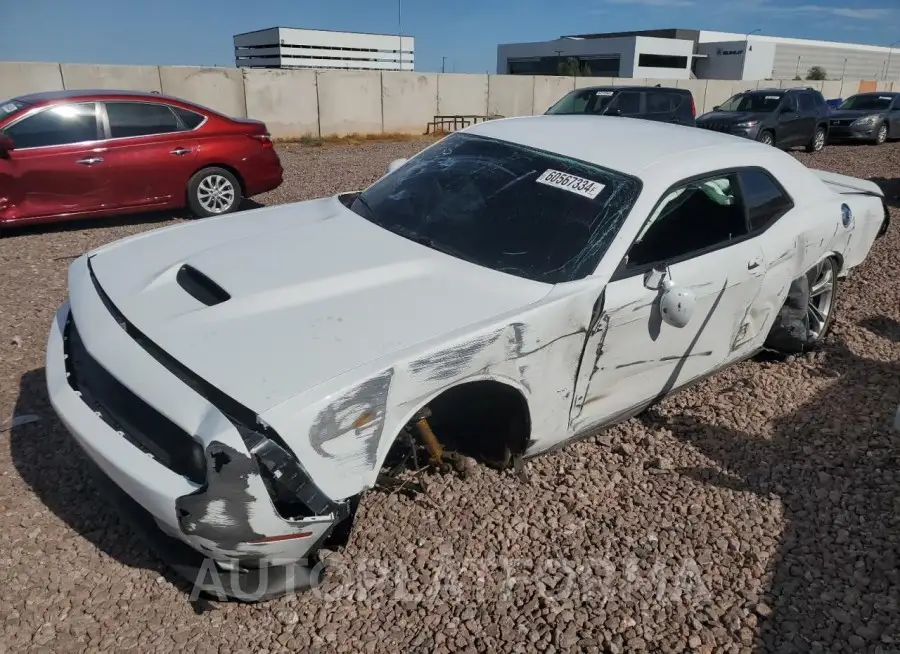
column 409, row 101
column 294, row 103
column 221, row 89
column 98, row 76
column 28, row 77
column 286, row 100
column 349, row 102
column 459, row 93
column 510, row 95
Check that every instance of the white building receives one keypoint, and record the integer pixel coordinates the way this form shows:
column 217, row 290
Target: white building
column 287, row 47
column 682, row 54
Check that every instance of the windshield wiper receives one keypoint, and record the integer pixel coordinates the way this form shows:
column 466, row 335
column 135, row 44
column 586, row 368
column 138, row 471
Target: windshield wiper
column 427, row 241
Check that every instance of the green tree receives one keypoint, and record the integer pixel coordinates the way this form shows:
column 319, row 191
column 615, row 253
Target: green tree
column 574, row 68
column 816, row 73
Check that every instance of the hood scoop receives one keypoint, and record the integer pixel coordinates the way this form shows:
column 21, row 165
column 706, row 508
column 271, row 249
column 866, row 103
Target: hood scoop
column 200, row 287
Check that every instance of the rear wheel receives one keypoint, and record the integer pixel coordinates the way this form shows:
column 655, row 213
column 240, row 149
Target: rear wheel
column 213, row 191
column 818, row 140
column 808, row 312
column 766, row 137
column 882, row 134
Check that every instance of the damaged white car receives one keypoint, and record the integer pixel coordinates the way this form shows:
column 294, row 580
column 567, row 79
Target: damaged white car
column 242, row 380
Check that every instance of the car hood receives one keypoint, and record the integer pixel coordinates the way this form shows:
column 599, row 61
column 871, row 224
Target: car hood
column 266, row 304
column 845, row 114
column 730, row 116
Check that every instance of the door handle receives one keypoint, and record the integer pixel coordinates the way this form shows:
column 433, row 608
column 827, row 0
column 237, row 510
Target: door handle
column 90, row 161
column 179, row 152
column 754, row 263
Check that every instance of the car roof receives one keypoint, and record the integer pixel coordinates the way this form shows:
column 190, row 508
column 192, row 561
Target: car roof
column 631, row 87
column 79, row 94
column 882, row 93
column 628, row 145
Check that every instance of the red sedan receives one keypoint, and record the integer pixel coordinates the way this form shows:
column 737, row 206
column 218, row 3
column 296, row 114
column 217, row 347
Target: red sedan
column 79, row 154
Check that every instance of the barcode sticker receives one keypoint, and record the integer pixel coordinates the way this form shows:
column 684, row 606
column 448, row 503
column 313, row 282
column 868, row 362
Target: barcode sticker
column 605, row 93
column 585, row 187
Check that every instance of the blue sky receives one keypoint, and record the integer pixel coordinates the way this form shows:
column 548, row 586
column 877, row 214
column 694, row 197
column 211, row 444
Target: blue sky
column 198, row 32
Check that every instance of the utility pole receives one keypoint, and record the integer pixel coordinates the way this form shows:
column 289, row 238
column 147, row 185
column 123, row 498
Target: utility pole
column 747, row 47
column 890, row 52
column 558, row 60
column 443, row 64
column 400, row 34
column 844, row 70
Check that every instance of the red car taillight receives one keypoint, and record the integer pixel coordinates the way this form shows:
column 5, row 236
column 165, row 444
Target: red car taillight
column 693, row 108
column 265, row 139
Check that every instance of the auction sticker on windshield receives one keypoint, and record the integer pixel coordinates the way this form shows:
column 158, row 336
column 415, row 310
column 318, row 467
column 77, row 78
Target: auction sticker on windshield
column 580, row 185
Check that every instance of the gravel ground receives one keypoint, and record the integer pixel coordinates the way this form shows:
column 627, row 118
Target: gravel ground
column 756, row 512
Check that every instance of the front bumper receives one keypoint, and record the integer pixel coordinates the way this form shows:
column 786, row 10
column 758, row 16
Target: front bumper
column 840, row 131
column 227, row 519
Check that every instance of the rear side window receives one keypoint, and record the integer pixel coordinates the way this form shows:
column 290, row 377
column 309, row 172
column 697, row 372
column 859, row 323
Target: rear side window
column 660, row 103
column 764, row 199
column 190, row 119
column 60, row 125
column 129, row 119
column 628, row 103
column 807, row 102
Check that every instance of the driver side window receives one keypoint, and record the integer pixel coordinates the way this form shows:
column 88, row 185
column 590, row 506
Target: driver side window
column 702, row 215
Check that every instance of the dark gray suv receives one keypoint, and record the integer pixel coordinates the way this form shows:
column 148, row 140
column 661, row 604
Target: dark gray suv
column 784, row 118
column 659, row 103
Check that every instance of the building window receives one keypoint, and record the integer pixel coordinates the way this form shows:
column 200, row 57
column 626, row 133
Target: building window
column 662, row 61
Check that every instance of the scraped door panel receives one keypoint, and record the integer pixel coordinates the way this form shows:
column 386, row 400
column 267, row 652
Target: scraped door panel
column 641, row 357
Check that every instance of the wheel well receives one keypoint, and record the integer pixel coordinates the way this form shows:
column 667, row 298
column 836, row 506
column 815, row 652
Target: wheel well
column 230, row 169
column 487, row 420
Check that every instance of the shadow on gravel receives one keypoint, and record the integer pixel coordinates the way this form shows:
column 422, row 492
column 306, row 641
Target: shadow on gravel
column 143, row 218
column 891, row 189
column 835, row 466
column 53, row 465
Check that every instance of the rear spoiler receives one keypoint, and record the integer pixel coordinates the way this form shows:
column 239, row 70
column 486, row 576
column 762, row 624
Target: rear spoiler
column 846, row 185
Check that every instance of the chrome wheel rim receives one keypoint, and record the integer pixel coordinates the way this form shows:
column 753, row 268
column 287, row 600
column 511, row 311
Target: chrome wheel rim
column 215, row 193
column 882, row 134
column 821, row 298
column 767, row 139
column 820, row 140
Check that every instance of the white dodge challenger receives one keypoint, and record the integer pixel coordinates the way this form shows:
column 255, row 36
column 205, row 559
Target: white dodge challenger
column 242, row 380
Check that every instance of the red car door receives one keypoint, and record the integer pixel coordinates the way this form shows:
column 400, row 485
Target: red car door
column 151, row 153
column 57, row 165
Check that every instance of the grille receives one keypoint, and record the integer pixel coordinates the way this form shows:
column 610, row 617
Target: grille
column 717, row 127
column 842, row 123
column 138, row 422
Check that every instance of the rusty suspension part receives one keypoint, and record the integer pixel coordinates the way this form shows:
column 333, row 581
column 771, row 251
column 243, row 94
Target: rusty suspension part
column 435, row 451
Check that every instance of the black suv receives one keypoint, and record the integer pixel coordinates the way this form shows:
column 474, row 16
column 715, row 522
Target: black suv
column 668, row 105
column 781, row 117
column 873, row 117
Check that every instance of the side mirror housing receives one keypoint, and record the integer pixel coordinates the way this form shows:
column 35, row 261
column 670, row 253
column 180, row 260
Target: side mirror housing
column 716, row 108
column 676, row 305
column 6, row 144
column 395, row 164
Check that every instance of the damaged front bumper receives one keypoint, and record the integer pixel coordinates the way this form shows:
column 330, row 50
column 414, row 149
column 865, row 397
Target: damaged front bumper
column 179, row 465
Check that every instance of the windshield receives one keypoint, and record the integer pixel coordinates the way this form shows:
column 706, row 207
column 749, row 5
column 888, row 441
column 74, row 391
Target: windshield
column 507, row 207
column 867, row 102
column 761, row 102
column 10, row 107
column 585, row 101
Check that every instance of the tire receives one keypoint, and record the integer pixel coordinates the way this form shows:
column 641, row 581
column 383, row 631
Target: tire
column 882, row 134
column 766, row 137
column 807, row 314
column 817, row 142
column 213, row 192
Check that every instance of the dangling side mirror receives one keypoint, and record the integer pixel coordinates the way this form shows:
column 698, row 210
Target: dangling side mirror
column 395, row 164
column 676, row 305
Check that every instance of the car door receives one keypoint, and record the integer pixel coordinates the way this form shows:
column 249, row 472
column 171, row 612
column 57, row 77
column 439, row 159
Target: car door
column 790, row 122
column 698, row 233
column 894, row 118
column 151, row 151
column 809, row 116
column 57, row 166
